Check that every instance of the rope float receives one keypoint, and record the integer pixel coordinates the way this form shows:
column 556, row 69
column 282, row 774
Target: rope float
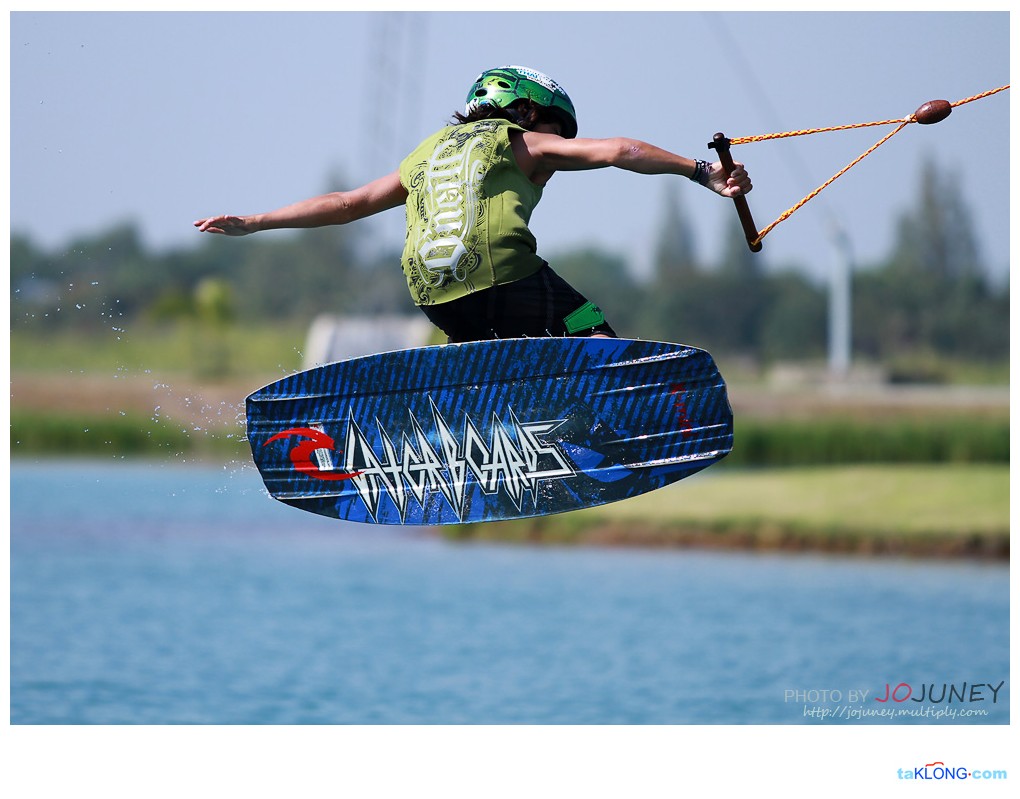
column 927, row 114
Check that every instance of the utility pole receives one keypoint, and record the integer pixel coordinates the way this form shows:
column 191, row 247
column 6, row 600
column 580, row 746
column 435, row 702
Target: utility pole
column 840, row 303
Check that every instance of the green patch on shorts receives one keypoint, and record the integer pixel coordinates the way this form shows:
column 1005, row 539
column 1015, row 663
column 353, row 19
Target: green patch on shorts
column 587, row 316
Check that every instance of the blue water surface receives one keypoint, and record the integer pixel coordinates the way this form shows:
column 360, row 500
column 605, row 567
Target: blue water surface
column 151, row 593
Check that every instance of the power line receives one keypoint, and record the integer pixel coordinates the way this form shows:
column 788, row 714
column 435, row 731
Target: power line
column 840, row 277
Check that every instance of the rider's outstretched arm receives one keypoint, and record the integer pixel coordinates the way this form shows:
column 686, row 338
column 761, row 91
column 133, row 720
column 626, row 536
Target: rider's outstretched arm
column 336, row 208
column 544, row 153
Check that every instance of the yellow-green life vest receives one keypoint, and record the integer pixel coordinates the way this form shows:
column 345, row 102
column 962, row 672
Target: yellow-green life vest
column 468, row 208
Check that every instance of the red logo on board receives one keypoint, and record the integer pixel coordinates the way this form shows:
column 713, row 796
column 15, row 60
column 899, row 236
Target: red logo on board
column 301, row 455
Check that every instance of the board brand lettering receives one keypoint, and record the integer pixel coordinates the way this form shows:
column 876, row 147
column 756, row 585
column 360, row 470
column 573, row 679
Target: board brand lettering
column 512, row 457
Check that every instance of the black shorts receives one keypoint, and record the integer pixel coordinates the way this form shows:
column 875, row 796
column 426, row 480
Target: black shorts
column 543, row 304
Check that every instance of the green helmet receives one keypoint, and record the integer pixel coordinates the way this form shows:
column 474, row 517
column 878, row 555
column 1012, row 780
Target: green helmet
column 500, row 87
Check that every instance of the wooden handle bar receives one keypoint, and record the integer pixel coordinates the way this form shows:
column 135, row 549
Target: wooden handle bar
column 721, row 145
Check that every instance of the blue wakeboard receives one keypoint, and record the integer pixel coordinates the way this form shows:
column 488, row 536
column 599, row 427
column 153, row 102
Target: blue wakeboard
column 489, row 430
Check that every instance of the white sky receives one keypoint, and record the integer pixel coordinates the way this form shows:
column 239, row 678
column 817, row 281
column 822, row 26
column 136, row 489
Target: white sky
column 161, row 118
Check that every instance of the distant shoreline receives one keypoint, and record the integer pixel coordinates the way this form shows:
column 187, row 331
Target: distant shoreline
column 691, row 516
column 765, row 536
column 957, row 511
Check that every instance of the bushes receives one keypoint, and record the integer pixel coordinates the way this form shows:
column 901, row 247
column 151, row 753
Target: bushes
column 757, row 442
column 34, row 433
column 954, row 439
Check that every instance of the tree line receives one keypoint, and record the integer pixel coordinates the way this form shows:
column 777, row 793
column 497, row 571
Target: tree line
column 930, row 296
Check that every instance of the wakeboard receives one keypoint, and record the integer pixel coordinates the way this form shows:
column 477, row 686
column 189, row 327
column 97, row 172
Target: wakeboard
column 489, row 430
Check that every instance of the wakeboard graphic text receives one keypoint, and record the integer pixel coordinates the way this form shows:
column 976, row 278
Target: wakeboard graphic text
column 512, row 457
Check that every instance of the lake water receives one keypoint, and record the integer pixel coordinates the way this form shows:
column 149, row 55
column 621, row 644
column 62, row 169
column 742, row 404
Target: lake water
column 158, row 594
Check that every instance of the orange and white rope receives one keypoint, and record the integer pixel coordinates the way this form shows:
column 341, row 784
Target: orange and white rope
column 902, row 123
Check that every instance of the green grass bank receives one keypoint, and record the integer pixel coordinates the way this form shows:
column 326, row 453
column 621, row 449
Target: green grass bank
column 920, row 510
